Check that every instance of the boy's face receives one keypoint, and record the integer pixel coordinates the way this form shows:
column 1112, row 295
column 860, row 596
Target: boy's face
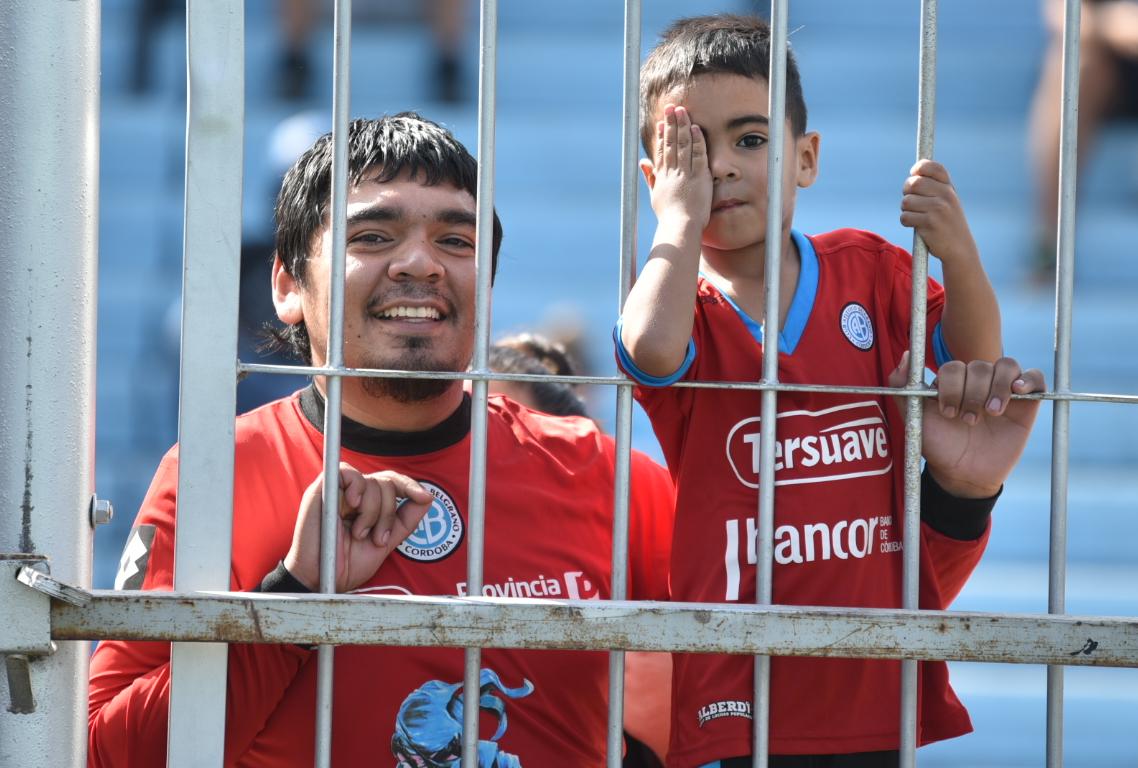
column 731, row 111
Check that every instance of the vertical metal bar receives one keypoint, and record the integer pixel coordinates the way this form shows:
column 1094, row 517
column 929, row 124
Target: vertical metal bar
column 215, row 61
column 1061, row 413
column 911, row 537
column 487, row 101
column 330, row 517
column 630, row 143
column 764, row 561
column 49, row 195
column 628, row 195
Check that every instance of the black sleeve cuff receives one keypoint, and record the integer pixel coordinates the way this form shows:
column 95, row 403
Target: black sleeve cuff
column 280, row 580
column 954, row 517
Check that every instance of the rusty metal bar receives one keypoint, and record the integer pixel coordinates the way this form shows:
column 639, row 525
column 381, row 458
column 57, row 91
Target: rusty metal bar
column 590, row 624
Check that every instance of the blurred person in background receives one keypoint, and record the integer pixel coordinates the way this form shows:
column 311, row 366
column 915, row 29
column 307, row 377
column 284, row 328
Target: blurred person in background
column 1108, row 89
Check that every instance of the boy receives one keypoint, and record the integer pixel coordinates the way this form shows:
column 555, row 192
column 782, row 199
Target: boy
column 844, row 319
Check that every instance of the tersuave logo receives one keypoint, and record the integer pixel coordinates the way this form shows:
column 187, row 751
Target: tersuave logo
column 815, row 446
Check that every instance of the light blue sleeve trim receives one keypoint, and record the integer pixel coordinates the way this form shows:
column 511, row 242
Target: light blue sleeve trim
column 940, row 349
column 639, row 376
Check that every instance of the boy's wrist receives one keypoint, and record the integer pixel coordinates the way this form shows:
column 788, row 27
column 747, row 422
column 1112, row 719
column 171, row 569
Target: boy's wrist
column 679, row 230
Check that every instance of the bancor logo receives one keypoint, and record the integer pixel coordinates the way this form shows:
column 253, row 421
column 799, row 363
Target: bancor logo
column 835, row 443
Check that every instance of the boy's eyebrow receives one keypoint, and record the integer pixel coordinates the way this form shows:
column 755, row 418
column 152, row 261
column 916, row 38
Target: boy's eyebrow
column 741, row 120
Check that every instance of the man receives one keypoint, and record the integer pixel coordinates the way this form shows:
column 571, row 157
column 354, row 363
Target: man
column 409, row 304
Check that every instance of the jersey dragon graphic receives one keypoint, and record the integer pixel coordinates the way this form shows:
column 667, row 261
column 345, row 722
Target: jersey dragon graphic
column 428, row 728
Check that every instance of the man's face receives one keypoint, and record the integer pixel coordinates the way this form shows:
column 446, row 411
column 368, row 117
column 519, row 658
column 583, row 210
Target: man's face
column 731, row 111
column 408, row 284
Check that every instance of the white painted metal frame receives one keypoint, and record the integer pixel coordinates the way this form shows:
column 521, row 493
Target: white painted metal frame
column 195, row 618
column 49, row 210
column 215, row 122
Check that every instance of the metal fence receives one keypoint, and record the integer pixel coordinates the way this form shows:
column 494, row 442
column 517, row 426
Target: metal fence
column 46, row 671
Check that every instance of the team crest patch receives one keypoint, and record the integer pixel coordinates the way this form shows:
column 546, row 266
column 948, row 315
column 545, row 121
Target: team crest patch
column 857, row 326
column 440, row 531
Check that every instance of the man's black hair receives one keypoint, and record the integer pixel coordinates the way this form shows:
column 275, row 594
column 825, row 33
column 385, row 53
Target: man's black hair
column 709, row 45
column 379, row 150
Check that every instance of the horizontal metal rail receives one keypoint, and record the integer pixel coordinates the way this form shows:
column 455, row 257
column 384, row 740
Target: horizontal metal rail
column 587, row 624
column 382, row 373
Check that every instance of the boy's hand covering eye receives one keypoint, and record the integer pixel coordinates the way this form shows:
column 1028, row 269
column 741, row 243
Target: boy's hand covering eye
column 974, row 433
column 680, row 179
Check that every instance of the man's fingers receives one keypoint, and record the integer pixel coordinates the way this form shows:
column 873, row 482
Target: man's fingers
column 950, row 380
column 387, row 530
column 381, row 531
column 659, row 145
column 351, row 484
column 900, row 375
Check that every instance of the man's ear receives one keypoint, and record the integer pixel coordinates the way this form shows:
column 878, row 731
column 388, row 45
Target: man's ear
column 806, row 148
column 649, row 171
column 286, row 294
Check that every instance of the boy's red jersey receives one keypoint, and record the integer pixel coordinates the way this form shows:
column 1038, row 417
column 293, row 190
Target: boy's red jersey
column 548, row 534
column 838, row 504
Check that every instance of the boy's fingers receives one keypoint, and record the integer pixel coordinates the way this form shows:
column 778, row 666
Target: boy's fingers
column 669, row 136
column 683, row 139
column 1030, row 381
column 916, row 203
column 900, row 375
column 698, row 148
column 950, row 380
column 659, row 145
column 930, row 169
column 977, row 389
column 1004, row 374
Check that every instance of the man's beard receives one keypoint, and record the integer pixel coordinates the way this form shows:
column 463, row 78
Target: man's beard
column 415, row 358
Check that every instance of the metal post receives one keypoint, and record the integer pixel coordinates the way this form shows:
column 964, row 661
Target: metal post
column 1061, row 413
column 330, row 513
column 764, row 560
column 911, row 536
column 215, row 115
column 49, row 192
column 476, row 501
column 614, row 750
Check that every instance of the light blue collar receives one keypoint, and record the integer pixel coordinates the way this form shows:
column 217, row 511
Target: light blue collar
column 800, row 306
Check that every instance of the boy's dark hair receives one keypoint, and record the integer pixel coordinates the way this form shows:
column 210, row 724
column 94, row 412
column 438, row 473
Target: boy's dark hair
column 708, row 45
column 378, row 149
column 532, row 354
